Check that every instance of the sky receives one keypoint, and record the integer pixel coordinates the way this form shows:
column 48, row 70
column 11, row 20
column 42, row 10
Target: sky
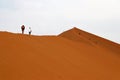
column 52, row 17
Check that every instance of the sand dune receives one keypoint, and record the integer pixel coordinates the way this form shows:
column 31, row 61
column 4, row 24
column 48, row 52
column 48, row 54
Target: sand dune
column 72, row 55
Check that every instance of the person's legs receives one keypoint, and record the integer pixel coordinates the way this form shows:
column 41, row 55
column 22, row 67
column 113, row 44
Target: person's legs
column 22, row 31
column 29, row 33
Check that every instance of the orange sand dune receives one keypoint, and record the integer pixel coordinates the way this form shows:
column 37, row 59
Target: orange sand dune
column 73, row 55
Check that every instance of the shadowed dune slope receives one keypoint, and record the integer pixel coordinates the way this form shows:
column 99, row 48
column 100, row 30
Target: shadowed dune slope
column 78, row 35
column 73, row 55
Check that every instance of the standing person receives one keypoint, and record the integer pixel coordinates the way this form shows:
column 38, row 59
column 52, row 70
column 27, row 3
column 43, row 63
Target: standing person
column 22, row 28
column 30, row 31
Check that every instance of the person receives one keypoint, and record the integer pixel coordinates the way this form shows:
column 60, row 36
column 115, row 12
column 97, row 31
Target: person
column 30, row 31
column 22, row 28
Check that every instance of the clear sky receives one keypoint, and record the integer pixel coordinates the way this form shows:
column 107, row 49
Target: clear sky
column 100, row 17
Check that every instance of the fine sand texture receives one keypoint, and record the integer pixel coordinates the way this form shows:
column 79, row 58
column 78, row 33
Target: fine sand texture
column 73, row 55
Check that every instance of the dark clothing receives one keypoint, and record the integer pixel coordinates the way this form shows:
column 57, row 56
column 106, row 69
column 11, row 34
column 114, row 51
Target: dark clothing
column 29, row 33
column 23, row 28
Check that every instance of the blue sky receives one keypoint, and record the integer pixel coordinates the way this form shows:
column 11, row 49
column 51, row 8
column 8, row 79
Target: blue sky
column 51, row 17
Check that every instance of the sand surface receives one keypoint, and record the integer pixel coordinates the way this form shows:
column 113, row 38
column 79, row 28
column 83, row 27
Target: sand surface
column 72, row 55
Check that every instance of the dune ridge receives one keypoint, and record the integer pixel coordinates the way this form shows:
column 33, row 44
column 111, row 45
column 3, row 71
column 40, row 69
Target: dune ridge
column 72, row 55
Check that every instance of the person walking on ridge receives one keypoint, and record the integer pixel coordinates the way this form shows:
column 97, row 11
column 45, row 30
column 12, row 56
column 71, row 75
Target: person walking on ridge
column 30, row 31
column 22, row 28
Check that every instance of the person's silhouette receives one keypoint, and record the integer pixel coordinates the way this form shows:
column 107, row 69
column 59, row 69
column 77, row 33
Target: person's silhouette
column 22, row 28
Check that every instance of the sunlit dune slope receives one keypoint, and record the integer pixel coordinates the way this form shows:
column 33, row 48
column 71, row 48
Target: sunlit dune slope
column 69, row 56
